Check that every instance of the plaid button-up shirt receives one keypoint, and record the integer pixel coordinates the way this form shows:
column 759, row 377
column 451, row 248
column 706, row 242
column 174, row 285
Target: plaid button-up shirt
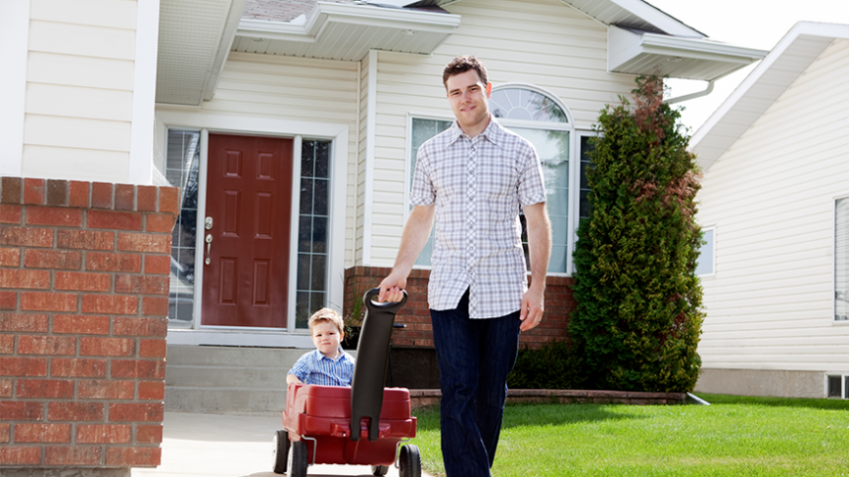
column 478, row 185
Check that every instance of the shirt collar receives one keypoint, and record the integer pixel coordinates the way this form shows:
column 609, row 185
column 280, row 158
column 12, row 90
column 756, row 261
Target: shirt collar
column 494, row 133
column 338, row 356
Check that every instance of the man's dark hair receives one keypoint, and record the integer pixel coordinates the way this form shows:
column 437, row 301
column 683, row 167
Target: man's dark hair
column 461, row 64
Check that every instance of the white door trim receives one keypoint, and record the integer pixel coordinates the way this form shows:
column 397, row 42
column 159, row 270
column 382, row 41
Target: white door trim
column 258, row 126
column 14, row 44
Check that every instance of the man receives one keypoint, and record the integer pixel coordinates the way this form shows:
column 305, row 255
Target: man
column 473, row 178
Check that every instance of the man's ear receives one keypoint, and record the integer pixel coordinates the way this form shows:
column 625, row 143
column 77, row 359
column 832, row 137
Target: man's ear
column 488, row 90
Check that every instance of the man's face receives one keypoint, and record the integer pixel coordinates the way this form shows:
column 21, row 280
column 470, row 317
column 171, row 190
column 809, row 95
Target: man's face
column 326, row 338
column 468, row 97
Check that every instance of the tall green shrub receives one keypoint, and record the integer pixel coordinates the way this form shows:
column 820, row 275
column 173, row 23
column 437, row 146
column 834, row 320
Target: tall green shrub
column 639, row 317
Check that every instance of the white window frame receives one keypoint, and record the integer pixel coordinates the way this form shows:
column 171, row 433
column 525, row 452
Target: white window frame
column 190, row 118
column 834, row 261
column 712, row 274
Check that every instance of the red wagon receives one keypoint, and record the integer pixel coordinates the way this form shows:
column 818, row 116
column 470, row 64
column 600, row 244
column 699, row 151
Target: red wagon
column 364, row 424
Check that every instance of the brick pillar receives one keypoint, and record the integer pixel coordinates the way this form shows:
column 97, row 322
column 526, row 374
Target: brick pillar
column 83, row 317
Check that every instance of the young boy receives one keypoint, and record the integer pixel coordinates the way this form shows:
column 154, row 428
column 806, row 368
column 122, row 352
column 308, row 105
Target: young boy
column 328, row 365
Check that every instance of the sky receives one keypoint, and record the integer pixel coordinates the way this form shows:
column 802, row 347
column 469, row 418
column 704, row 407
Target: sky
column 759, row 24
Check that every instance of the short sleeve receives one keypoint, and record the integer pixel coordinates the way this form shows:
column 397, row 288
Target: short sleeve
column 301, row 369
column 531, row 183
column 422, row 191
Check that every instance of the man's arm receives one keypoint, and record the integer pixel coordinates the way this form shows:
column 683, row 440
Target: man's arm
column 539, row 247
column 413, row 241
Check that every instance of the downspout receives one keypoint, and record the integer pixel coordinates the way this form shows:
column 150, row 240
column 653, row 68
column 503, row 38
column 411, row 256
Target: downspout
column 688, row 97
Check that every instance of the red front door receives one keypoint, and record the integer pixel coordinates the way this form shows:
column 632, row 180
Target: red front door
column 248, row 198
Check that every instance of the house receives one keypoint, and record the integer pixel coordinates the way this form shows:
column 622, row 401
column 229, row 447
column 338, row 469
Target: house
column 289, row 128
column 773, row 204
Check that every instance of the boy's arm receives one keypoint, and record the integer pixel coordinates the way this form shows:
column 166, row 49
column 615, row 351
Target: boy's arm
column 292, row 379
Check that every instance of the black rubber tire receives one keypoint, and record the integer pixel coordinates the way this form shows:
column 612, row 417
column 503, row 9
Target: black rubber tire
column 379, row 469
column 297, row 465
column 281, row 451
column 410, row 462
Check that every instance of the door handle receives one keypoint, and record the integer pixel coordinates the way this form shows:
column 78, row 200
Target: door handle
column 208, row 248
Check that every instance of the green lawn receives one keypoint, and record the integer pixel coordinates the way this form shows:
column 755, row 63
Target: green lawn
column 735, row 436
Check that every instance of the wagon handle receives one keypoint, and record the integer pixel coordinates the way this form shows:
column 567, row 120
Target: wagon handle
column 391, row 307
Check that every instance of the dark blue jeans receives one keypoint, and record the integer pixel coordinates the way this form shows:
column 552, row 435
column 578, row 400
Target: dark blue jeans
column 475, row 357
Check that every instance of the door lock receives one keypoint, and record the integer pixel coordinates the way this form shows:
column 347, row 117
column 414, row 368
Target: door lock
column 207, row 223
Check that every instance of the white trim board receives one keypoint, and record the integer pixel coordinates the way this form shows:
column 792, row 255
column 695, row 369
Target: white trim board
column 144, row 94
column 14, row 35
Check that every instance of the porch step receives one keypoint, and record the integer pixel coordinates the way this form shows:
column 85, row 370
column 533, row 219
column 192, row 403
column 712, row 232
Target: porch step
column 227, row 379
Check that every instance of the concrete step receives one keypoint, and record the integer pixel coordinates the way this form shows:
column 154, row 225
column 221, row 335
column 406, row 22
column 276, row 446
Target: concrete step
column 197, row 399
column 226, row 379
column 226, row 376
column 227, row 356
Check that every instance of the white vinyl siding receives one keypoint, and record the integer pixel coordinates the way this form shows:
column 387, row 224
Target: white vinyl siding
column 79, row 97
column 770, row 302
column 298, row 89
column 543, row 42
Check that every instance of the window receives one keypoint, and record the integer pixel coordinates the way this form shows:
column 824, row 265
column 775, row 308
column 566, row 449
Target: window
column 424, row 129
column 705, row 262
column 181, row 170
column 313, row 221
column 540, row 119
column 841, row 259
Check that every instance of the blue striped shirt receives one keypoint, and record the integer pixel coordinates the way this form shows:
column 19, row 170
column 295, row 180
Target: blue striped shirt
column 315, row 368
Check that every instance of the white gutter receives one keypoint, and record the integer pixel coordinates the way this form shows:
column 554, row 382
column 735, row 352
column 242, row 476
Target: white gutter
column 690, row 96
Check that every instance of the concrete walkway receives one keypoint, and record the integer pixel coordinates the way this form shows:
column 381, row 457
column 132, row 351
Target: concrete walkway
column 226, row 445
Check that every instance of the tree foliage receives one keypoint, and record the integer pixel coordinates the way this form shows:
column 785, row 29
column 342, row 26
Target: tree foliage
column 639, row 317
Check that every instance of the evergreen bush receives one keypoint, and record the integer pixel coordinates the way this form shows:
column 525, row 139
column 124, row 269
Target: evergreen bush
column 554, row 366
column 638, row 319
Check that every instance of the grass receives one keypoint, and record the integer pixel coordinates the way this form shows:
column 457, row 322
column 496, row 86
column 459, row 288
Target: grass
column 735, row 436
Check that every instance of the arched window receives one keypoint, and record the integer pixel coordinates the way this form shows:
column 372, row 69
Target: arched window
column 540, row 119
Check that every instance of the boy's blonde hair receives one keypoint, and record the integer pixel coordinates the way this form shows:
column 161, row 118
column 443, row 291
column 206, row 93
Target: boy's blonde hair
column 330, row 316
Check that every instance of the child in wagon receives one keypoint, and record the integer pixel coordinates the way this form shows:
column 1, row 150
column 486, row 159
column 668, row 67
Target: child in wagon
column 328, row 365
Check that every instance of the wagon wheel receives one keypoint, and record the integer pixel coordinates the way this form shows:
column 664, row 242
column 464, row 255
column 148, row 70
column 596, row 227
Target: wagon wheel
column 379, row 469
column 297, row 464
column 280, row 451
column 410, row 464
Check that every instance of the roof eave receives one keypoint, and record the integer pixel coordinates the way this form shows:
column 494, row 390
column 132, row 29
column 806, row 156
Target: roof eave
column 708, row 142
column 643, row 53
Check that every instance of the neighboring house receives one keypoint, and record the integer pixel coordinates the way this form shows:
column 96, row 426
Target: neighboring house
column 775, row 206
column 291, row 129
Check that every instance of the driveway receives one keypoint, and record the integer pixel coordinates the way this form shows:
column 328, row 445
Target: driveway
column 227, row 445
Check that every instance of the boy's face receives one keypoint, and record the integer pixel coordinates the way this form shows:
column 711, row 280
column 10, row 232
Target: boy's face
column 326, row 338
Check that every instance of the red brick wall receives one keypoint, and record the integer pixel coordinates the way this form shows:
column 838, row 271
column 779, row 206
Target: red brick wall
column 83, row 317
column 559, row 304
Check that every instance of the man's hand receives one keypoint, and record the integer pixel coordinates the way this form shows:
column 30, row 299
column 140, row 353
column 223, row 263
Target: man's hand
column 532, row 308
column 391, row 288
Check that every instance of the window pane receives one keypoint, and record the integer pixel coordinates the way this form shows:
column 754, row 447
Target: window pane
column 312, row 230
column 704, row 264
column 424, row 129
column 553, row 149
column 520, row 103
column 584, row 205
column 841, row 260
column 183, row 155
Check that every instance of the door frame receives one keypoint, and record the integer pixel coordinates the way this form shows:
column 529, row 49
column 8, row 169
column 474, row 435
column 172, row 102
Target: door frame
column 269, row 127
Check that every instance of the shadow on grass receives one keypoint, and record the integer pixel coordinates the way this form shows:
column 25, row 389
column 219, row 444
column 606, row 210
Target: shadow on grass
column 525, row 415
column 835, row 404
